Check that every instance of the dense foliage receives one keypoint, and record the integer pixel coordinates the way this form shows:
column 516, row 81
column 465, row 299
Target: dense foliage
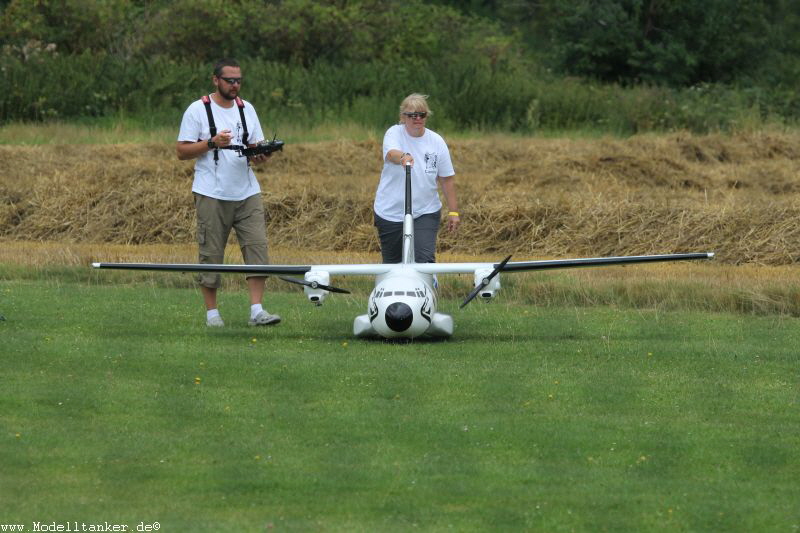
column 299, row 32
column 675, row 42
column 642, row 64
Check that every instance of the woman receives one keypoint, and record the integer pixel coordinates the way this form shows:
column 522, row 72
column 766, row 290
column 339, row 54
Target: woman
column 411, row 142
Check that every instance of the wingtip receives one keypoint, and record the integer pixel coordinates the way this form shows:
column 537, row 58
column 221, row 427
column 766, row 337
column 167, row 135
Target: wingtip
column 711, row 255
column 95, row 265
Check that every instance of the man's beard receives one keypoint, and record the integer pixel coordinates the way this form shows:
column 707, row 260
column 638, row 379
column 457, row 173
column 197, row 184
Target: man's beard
column 228, row 95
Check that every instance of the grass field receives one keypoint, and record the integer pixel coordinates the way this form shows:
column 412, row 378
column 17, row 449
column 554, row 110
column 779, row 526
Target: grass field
column 116, row 131
column 118, row 405
column 653, row 398
column 121, row 131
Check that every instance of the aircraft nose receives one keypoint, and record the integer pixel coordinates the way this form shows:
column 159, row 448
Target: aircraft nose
column 399, row 316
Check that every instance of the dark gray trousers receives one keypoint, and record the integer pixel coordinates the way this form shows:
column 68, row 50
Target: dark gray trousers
column 426, row 227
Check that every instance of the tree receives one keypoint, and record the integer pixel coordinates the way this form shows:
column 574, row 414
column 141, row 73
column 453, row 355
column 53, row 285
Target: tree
column 675, row 42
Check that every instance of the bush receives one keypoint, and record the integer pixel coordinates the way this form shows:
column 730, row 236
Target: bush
column 465, row 94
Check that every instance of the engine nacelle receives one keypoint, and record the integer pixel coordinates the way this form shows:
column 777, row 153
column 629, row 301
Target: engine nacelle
column 490, row 290
column 314, row 293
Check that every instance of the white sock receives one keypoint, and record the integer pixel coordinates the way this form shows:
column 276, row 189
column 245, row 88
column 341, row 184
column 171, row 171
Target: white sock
column 255, row 309
column 211, row 313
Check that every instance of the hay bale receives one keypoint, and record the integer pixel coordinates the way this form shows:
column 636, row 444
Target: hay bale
column 737, row 195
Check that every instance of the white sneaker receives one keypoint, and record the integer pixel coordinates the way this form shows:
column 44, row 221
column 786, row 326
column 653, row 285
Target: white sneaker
column 264, row 319
column 215, row 322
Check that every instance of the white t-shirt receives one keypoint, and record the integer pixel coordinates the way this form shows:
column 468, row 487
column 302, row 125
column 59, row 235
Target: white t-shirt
column 230, row 178
column 431, row 160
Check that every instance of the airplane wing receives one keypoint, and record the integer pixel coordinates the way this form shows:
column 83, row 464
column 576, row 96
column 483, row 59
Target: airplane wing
column 553, row 264
column 196, row 267
column 267, row 270
column 425, row 268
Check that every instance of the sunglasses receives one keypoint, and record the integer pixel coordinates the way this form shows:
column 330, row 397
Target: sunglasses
column 416, row 114
column 232, row 81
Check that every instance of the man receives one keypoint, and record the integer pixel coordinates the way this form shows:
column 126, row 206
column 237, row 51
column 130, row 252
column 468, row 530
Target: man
column 227, row 194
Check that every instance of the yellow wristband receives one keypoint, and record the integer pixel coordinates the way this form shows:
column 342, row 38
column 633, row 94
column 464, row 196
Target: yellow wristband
column 453, row 214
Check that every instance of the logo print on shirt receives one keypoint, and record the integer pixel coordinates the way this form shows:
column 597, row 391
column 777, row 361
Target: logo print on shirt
column 431, row 162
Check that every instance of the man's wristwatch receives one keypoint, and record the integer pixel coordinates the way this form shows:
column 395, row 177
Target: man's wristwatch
column 211, row 144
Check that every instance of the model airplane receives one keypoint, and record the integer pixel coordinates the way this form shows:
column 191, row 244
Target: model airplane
column 403, row 303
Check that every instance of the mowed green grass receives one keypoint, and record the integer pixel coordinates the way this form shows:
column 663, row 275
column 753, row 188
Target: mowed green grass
column 117, row 404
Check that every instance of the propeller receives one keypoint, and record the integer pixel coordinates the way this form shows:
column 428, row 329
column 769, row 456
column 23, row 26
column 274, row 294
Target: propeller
column 314, row 285
column 484, row 282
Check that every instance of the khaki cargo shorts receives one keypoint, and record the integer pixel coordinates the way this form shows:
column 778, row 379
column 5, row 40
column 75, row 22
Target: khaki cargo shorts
column 216, row 218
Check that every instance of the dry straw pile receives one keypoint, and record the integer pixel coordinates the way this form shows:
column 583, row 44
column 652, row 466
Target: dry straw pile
column 736, row 195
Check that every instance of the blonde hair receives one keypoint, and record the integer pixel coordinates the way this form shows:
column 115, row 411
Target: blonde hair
column 414, row 102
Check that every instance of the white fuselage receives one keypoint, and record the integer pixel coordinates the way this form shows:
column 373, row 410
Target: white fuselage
column 403, row 305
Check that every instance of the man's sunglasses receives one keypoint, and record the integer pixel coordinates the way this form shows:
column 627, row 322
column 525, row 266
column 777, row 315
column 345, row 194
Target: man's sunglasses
column 416, row 114
column 232, row 81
